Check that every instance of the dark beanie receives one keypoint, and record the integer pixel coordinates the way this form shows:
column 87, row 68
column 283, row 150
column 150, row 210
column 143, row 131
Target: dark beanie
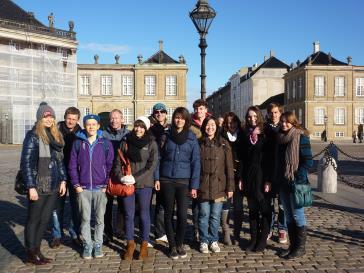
column 45, row 110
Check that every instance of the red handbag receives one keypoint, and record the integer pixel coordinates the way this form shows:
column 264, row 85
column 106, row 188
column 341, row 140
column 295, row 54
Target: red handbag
column 114, row 186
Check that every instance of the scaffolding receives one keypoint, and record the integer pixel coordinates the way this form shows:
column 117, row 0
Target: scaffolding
column 27, row 77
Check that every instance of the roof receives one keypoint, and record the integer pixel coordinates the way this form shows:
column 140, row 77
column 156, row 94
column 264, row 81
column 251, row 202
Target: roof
column 160, row 58
column 272, row 62
column 277, row 99
column 321, row 58
column 11, row 11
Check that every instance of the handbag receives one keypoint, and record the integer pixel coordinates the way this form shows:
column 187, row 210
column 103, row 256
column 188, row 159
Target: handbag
column 125, row 187
column 19, row 186
column 302, row 194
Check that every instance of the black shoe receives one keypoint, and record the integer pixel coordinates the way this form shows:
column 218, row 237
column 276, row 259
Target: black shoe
column 55, row 243
column 181, row 252
column 77, row 242
column 173, row 253
column 107, row 239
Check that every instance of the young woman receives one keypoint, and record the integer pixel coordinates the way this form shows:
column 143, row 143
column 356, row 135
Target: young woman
column 216, row 183
column 232, row 133
column 179, row 175
column 141, row 149
column 295, row 159
column 44, row 177
column 253, row 182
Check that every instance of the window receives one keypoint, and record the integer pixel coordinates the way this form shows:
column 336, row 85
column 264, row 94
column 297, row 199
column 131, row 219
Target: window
column 149, row 82
column 169, row 114
column 106, row 82
column 300, row 115
column 359, row 115
column 85, row 85
column 171, row 85
column 339, row 134
column 148, row 111
column 319, row 86
column 128, row 116
column 87, row 111
column 317, row 134
column 359, row 86
column 127, row 85
column 319, row 116
column 339, row 116
column 293, row 89
column 339, row 86
column 299, row 88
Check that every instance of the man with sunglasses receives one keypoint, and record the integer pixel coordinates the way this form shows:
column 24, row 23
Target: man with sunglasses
column 159, row 125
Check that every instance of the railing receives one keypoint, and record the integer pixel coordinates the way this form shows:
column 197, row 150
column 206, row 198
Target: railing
column 38, row 29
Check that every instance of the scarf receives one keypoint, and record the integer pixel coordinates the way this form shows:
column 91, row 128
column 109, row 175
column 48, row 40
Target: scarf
column 292, row 140
column 232, row 137
column 179, row 138
column 53, row 143
column 135, row 144
column 253, row 135
column 44, row 175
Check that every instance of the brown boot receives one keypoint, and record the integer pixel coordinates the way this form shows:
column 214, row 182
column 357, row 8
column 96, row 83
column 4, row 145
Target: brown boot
column 130, row 248
column 42, row 257
column 33, row 258
column 143, row 255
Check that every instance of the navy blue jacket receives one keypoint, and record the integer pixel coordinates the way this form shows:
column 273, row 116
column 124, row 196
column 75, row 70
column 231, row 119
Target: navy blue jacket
column 180, row 161
column 29, row 163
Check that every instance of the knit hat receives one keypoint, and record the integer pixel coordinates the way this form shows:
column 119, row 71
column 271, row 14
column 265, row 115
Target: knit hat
column 159, row 107
column 91, row 116
column 44, row 111
column 145, row 120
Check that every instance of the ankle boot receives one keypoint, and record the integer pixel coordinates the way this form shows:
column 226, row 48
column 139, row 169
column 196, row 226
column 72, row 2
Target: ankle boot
column 253, row 235
column 143, row 255
column 300, row 249
column 130, row 248
column 225, row 227
column 292, row 242
column 238, row 221
column 41, row 256
column 33, row 258
column 263, row 235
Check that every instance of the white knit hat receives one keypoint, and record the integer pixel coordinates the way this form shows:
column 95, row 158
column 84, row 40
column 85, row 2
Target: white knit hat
column 145, row 120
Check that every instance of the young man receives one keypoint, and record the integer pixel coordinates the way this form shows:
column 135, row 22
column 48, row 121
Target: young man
column 91, row 161
column 69, row 127
column 159, row 126
column 271, row 129
column 114, row 132
column 200, row 112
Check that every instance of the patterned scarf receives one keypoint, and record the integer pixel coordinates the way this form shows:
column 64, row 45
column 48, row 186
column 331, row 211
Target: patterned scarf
column 253, row 135
column 292, row 140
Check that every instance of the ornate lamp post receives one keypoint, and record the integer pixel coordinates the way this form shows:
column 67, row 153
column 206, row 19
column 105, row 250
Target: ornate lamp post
column 202, row 17
column 326, row 132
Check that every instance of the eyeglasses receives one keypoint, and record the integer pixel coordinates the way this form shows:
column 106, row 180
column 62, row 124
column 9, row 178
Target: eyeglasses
column 160, row 112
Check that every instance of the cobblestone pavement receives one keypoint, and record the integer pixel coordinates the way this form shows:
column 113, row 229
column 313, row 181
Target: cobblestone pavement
column 335, row 242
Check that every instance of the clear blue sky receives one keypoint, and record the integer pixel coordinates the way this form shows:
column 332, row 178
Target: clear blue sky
column 241, row 34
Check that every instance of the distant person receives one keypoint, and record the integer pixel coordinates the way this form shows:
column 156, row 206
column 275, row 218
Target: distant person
column 324, row 136
column 90, row 164
column 360, row 132
column 354, row 136
column 45, row 178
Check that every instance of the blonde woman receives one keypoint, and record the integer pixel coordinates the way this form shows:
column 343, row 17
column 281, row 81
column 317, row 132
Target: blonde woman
column 44, row 177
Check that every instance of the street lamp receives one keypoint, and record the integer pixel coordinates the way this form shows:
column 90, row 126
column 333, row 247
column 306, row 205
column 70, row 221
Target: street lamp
column 326, row 133
column 202, row 17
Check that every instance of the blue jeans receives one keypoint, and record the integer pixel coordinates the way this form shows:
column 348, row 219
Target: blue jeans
column 143, row 197
column 281, row 219
column 209, row 221
column 292, row 214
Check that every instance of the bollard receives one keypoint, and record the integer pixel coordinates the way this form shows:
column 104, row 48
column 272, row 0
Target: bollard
column 327, row 175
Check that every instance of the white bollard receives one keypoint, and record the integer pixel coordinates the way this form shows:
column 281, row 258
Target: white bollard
column 327, row 175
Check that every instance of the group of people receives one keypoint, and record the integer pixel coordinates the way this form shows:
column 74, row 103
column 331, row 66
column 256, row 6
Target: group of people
column 216, row 163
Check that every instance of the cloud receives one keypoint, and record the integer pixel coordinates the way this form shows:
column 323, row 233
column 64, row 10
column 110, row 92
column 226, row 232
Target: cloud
column 111, row 48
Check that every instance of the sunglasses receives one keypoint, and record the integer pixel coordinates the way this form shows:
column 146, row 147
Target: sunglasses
column 160, row 112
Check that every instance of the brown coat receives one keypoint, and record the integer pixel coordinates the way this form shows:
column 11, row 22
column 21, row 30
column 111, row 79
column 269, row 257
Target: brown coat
column 217, row 170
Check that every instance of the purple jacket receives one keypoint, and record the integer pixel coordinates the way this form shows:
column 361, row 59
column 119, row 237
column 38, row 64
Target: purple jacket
column 89, row 166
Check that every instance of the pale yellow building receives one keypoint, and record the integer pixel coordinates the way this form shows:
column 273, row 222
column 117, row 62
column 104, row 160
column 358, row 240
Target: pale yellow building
column 326, row 94
column 132, row 88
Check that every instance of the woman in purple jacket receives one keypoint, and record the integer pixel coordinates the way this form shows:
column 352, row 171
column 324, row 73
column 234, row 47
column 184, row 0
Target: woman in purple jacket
column 90, row 164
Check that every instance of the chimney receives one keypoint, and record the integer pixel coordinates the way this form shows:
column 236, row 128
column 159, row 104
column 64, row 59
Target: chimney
column 160, row 45
column 316, row 46
column 117, row 58
column 271, row 53
column 310, row 60
column 350, row 60
column 329, row 57
column 96, row 58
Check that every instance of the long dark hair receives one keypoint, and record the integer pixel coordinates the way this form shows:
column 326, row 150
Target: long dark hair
column 260, row 119
column 182, row 112
column 234, row 118
column 217, row 136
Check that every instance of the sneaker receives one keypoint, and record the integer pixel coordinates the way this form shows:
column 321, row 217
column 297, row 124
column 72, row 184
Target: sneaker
column 282, row 237
column 204, row 248
column 270, row 234
column 87, row 252
column 98, row 251
column 214, row 246
column 150, row 245
column 55, row 243
column 181, row 252
column 173, row 253
column 162, row 239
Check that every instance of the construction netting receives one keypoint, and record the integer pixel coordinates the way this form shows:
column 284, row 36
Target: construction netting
column 27, row 77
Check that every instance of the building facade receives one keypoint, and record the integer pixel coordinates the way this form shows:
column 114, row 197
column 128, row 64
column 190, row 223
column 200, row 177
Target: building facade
column 37, row 63
column 326, row 95
column 219, row 102
column 132, row 88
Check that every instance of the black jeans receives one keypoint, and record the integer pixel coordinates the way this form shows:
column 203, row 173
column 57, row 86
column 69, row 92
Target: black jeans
column 108, row 230
column 39, row 214
column 171, row 193
column 159, row 216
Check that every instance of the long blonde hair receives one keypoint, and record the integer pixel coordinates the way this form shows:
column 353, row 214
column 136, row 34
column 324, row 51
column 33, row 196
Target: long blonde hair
column 40, row 131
